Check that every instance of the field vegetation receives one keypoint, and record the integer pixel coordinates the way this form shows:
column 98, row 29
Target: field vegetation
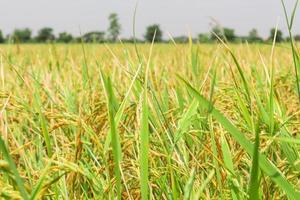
column 160, row 121
column 150, row 121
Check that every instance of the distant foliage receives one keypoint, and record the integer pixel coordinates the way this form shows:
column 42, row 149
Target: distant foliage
column 21, row 35
column 229, row 34
column 254, row 36
column 223, row 33
column 1, row 37
column 95, row 36
column 45, row 35
column 153, row 30
column 297, row 38
column 64, row 37
column 114, row 28
column 204, row 38
column 279, row 35
column 216, row 33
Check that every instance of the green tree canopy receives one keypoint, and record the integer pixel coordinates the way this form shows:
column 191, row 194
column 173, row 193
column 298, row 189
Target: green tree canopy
column 204, row 38
column 297, row 38
column 94, row 36
column 45, row 35
column 1, row 37
column 150, row 33
column 225, row 33
column 21, row 35
column 216, row 32
column 64, row 37
column 229, row 34
column 253, row 36
column 279, row 35
column 114, row 28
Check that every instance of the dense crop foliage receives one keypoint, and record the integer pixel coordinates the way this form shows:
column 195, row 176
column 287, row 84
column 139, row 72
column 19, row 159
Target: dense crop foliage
column 161, row 122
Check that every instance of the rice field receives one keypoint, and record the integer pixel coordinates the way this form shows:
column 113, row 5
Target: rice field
column 151, row 121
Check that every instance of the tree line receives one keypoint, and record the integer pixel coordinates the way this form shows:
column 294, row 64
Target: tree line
column 153, row 33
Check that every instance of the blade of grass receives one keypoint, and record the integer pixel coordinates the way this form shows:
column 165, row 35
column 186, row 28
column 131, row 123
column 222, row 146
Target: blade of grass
column 294, row 52
column 189, row 185
column 212, row 133
column 39, row 186
column 215, row 153
column 144, row 148
column 204, row 184
column 144, row 134
column 12, row 166
column 185, row 121
column 121, row 108
column 229, row 166
column 43, row 121
column 115, row 140
column 254, row 179
column 271, row 98
column 283, row 139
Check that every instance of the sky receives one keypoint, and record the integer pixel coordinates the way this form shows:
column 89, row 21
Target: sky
column 176, row 17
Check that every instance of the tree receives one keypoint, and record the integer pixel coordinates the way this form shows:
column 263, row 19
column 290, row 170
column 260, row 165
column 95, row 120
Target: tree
column 45, row 35
column 225, row 33
column 94, row 36
column 279, row 35
column 21, row 35
column 229, row 34
column 297, row 38
column 64, row 37
column 203, row 38
column 216, row 33
column 1, row 37
column 253, row 36
column 114, row 28
column 153, row 30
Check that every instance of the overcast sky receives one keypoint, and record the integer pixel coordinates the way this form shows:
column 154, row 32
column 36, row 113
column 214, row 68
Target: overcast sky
column 177, row 17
